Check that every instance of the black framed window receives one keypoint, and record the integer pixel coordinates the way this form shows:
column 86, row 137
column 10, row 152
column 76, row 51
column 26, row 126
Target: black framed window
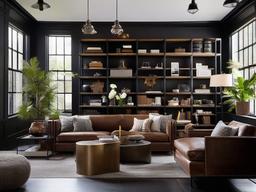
column 15, row 66
column 244, row 51
column 60, row 64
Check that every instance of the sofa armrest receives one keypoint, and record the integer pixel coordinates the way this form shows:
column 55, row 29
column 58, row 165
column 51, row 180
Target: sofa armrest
column 54, row 128
column 170, row 131
column 230, row 156
column 199, row 132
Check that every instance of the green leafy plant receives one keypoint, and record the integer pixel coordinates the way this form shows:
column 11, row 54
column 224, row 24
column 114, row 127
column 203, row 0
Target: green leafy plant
column 38, row 92
column 243, row 90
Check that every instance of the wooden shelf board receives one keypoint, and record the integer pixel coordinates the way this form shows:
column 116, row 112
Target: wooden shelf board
column 122, row 77
column 203, row 93
column 179, row 106
column 121, row 40
column 151, row 54
column 89, row 93
column 212, row 114
column 89, row 106
column 91, row 77
column 92, row 54
column 180, row 93
column 178, row 77
column 205, row 106
column 201, row 77
column 150, row 106
column 150, row 40
column 124, row 106
column 174, row 54
column 145, row 93
column 95, row 69
column 93, row 40
column 121, row 54
column 157, row 77
column 178, row 40
column 203, row 54
column 150, row 69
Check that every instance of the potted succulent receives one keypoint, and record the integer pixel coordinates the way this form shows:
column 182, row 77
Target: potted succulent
column 243, row 90
column 39, row 96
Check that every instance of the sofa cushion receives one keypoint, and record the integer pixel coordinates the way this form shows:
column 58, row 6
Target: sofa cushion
column 79, row 136
column 66, row 123
column 192, row 148
column 82, row 123
column 243, row 128
column 221, row 129
column 154, row 136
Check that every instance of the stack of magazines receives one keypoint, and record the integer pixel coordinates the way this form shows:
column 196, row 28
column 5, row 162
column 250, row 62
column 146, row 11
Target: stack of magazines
column 108, row 138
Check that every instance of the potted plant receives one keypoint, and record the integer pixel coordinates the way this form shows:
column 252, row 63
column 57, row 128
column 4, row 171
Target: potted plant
column 39, row 96
column 241, row 93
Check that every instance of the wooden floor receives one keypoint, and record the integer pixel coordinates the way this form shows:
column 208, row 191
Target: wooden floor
column 140, row 185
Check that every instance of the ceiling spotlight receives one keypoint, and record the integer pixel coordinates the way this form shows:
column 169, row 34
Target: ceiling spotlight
column 117, row 28
column 88, row 28
column 192, row 8
column 230, row 3
column 41, row 5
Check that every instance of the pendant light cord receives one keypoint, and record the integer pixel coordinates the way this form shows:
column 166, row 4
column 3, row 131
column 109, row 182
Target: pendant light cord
column 88, row 9
column 116, row 9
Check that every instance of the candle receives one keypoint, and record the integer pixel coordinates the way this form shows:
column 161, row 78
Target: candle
column 120, row 129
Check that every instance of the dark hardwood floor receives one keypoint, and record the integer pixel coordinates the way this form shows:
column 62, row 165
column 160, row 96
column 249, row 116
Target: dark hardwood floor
column 124, row 185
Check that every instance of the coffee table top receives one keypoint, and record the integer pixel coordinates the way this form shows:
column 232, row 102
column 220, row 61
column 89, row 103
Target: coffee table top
column 95, row 142
column 141, row 143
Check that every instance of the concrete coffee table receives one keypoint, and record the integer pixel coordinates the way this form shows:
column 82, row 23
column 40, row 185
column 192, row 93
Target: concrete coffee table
column 136, row 152
column 94, row 157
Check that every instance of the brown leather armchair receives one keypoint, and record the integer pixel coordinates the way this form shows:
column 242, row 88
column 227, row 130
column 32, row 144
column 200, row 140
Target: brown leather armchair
column 219, row 156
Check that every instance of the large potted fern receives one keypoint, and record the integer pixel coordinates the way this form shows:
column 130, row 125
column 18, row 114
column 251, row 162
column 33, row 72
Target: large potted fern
column 38, row 96
column 243, row 90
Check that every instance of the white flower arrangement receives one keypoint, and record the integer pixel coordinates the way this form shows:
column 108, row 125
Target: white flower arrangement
column 120, row 97
column 112, row 94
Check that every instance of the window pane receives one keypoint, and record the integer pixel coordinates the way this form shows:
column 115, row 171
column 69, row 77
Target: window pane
column 20, row 62
column 235, row 42
column 14, row 59
column 68, row 101
column 68, row 86
column 61, row 101
column 254, row 54
column 18, row 82
column 54, row 75
column 241, row 41
column 250, row 34
column 61, row 76
column 241, row 58
column 254, row 31
column 245, row 57
column 20, row 42
column 60, row 45
column 245, row 36
column 10, row 37
column 52, row 45
column 9, row 81
column 10, row 58
column 10, row 100
column 60, row 86
column 68, row 63
column 68, row 45
column 18, row 102
column 60, row 62
column 14, row 39
column 53, row 63
column 68, row 76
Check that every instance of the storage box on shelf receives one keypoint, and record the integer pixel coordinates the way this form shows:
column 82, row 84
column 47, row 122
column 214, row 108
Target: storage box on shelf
column 155, row 71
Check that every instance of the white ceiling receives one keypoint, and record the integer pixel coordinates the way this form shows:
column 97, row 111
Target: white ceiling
column 129, row 10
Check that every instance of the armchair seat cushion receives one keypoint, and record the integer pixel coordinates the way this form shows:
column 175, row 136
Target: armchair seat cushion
column 192, row 148
column 79, row 136
column 154, row 136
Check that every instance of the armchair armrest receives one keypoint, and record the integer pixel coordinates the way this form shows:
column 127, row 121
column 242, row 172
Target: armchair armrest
column 230, row 156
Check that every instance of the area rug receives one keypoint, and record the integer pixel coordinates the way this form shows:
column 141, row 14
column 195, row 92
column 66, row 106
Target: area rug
column 64, row 166
column 161, row 166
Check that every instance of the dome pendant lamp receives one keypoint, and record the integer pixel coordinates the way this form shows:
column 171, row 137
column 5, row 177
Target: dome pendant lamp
column 88, row 28
column 192, row 8
column 41, row 5
column 116, row 28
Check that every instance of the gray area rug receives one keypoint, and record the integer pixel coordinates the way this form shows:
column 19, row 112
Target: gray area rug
column 64, row 166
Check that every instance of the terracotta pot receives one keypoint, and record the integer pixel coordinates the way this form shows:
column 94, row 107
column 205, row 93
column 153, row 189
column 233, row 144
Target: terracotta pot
column 242, row 108
column 37, row 128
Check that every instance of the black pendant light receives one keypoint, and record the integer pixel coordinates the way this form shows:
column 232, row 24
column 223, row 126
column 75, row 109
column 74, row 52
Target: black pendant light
column 230, row 3
column 41, row 5
column 88, row 28
column 192, row 8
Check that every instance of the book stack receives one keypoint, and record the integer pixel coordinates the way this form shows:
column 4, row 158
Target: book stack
column 142, row 50
column 95, row 102
column 127, row 49
column 95, row 65
column 107, row 138
column 202, row 70
column 94, row 50
column 154, row 51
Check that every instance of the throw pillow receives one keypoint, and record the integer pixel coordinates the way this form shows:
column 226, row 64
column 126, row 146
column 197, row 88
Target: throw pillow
column 156, row 122
column 82, row 123
column 66, row 123
column 221, row 129
column 137, row 124
column 146, row 125
column 164, row 120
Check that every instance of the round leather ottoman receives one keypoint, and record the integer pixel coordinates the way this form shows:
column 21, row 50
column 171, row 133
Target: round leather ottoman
column 14, row 171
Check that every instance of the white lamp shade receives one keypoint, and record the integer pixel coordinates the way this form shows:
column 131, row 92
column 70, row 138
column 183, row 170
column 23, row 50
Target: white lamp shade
column 221, row 80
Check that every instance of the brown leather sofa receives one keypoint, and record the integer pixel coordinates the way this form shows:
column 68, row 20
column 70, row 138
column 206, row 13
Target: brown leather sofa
column 219, row 156
column 104, row 125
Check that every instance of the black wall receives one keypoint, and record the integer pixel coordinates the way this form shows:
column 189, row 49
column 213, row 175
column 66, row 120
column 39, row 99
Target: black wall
column 10, row 13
